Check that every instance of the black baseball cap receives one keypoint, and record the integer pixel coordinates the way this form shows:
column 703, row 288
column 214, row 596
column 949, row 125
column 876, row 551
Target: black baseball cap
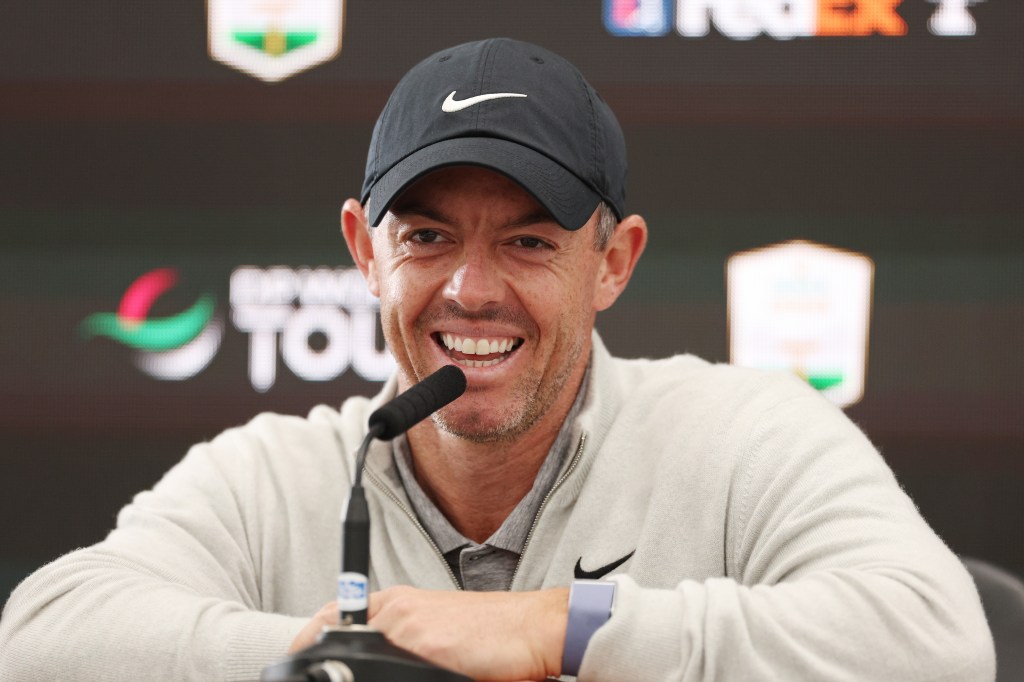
column 509, row 106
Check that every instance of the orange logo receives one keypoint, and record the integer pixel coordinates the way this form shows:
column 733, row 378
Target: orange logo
column 859, row 18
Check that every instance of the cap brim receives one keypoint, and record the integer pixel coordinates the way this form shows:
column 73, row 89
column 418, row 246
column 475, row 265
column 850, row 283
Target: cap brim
column 569, row 200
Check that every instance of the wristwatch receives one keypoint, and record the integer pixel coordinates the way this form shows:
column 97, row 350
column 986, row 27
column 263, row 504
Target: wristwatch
column 591, row 603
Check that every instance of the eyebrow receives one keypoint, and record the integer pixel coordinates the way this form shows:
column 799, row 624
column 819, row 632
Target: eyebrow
column 539, row 216
column 532, row 218
column 422, row 211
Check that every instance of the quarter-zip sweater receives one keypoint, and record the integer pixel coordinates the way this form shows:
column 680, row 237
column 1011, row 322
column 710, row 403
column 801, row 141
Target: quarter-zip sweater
column 769, row 541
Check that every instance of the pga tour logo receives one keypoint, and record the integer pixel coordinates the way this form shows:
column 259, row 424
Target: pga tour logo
column 274, row 39
column 353, row 592
column 780, row 19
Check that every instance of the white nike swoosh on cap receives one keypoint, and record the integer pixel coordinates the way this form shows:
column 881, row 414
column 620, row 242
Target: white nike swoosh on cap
column 451, row 104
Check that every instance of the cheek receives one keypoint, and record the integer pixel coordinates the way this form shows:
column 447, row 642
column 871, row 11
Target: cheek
column 372, row 280
column 558, row 308
column 405, row 292
column 578, row 291
column 389, row 293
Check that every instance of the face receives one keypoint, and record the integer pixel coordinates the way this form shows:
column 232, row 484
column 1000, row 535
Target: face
column 471, row 270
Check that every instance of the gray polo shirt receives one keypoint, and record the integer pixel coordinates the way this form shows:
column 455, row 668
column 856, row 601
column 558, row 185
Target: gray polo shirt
column 492, row 564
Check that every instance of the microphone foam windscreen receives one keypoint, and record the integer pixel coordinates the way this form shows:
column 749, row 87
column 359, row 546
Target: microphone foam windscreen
column 419, row 402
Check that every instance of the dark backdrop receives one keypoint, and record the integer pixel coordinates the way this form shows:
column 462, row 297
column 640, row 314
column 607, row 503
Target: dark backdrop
column 125, row 148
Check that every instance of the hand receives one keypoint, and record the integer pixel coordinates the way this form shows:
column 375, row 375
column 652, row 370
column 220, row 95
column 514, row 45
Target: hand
column 328, row 615
column 485, row 635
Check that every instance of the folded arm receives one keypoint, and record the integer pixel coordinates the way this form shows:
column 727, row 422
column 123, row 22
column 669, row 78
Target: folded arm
column 831, row 575
column 173, row 593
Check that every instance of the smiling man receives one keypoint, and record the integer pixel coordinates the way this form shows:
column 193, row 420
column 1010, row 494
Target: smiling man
column 754, row 531
column 572, row 513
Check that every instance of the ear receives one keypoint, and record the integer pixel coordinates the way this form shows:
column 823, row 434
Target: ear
column 356, row 231
column 618, row 260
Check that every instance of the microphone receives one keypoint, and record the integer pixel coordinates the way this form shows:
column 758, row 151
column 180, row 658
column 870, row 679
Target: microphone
column 419, row 402
column 396, row 416
column 353, row 651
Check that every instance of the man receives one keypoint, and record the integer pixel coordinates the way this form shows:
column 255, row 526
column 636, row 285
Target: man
column 733, row 524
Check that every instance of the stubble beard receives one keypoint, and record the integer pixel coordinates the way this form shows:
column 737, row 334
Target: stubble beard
column 533, row 395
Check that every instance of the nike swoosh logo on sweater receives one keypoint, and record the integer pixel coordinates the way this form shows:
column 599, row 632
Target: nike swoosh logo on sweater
column 600, row 572
column 452, row 105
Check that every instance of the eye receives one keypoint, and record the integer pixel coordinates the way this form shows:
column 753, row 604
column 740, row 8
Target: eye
column 531, row 243
column 425, row 236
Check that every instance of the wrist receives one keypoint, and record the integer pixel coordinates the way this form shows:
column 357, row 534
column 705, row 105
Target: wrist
column 553, row 617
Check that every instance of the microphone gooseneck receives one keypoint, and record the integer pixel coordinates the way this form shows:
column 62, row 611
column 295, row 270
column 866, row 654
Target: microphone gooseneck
column 396, row 416
column 354, row 652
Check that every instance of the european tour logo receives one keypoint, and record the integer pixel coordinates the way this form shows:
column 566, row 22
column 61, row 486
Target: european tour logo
column 172, row 348
column 321, row 322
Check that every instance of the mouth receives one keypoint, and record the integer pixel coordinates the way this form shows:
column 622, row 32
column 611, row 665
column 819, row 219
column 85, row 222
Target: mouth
column 472, row 351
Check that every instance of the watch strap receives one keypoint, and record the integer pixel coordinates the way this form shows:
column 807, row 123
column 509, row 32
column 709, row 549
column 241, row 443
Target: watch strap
column 590, row 606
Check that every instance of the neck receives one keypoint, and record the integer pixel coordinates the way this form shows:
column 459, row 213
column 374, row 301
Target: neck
column 477, row 485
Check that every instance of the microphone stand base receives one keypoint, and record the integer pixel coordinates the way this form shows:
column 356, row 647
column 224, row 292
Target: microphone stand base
column 356, row 653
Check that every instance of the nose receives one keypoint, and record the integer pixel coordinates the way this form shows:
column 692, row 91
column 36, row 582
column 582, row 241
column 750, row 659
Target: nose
column 476, row 283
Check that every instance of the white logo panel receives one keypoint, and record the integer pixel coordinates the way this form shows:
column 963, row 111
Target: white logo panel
column 274, row 39
column 805, row 308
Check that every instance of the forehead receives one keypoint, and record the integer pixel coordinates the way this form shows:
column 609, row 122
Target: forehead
column 467, row 188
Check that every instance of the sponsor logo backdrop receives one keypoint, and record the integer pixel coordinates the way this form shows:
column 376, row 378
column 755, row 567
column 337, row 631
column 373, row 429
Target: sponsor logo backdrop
column 172, row 265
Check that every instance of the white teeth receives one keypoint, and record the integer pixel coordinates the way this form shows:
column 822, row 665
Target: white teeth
column 477, row 346
column 480, row 363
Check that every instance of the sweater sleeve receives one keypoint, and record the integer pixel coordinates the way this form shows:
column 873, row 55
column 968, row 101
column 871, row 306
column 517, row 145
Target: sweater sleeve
column 831, row 575
column 173, row 593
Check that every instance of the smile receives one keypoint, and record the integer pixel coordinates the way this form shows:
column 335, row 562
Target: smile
column 488, row 351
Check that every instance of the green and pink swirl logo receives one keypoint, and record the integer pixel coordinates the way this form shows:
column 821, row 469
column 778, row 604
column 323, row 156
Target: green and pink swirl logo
column 175, row 347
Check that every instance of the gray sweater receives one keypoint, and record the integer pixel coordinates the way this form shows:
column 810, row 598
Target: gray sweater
column 770, row 541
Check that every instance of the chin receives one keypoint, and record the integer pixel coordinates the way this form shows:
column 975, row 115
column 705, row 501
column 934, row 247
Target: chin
column 474, row 428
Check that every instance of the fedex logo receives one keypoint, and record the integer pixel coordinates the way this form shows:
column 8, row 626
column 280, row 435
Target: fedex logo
column 744, row 19
column 780, row 19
